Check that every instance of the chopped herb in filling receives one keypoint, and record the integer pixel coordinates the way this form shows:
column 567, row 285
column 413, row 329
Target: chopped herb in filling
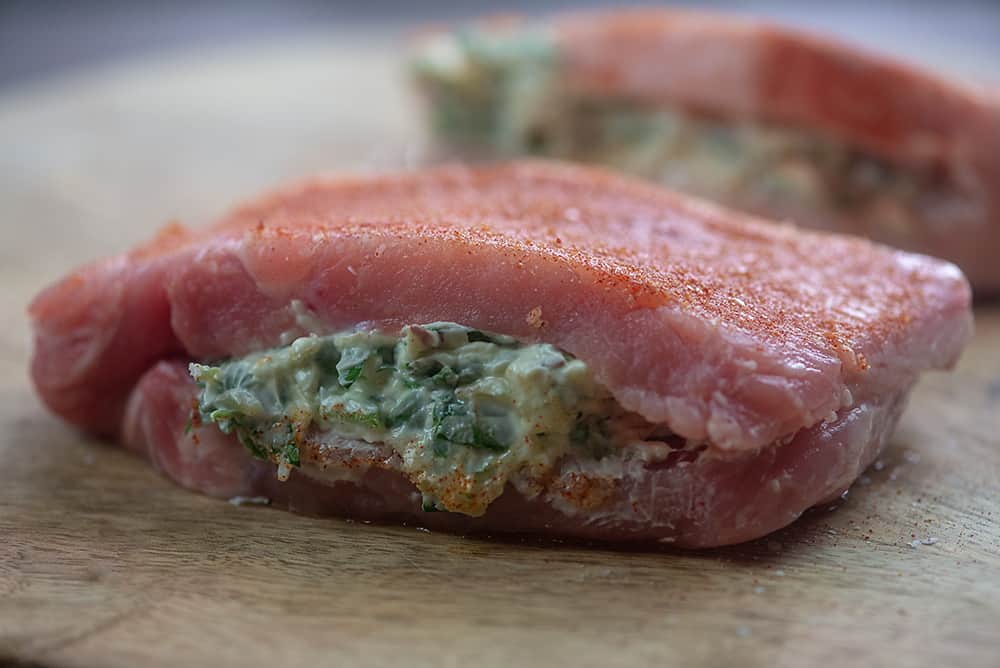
column 464, row 409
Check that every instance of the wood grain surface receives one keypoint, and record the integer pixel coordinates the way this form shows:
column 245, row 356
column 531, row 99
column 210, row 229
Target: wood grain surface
column 104, row 562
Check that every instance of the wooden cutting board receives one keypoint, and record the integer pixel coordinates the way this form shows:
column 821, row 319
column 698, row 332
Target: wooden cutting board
column 104, row 562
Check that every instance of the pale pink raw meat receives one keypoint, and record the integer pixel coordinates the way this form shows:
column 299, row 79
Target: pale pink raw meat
column 788, row 353
column 739, row 70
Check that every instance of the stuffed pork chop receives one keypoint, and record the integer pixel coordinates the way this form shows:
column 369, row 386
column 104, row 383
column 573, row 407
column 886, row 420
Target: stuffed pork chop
column 527, row 347
column 766, row 119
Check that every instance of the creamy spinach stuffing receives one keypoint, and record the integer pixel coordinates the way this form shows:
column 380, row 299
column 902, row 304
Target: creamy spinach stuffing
column 504, row 93
column 464, row 409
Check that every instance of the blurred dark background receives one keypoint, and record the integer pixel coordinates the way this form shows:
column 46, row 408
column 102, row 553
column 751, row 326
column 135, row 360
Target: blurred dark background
column 40, row 39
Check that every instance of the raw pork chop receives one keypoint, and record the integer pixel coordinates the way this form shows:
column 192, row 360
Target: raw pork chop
column 527, row 347
column 766, row 119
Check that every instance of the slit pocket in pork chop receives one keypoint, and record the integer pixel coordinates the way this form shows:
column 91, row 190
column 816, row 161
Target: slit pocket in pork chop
column 464, row 413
